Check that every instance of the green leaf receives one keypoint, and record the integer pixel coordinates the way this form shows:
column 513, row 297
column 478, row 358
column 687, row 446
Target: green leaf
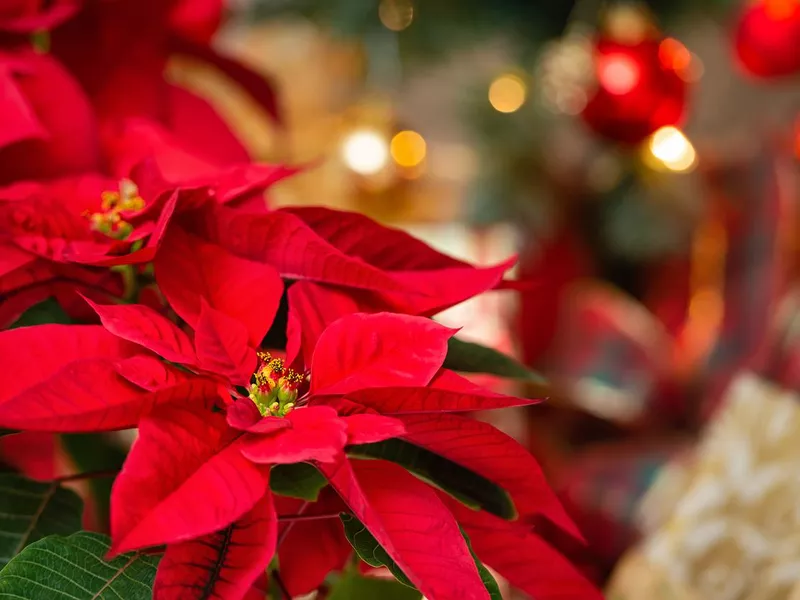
column 469, row 357
column 30, row 510
column 368, row 548
column 351, row 586
column 299, row 480
column 489, row 582
column 464, row 485
column 48, row 311
column 72, row 568
column 92, row 452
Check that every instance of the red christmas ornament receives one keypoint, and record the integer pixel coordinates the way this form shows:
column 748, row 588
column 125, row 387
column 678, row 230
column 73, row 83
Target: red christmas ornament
column 641, row 87
column 767, row 38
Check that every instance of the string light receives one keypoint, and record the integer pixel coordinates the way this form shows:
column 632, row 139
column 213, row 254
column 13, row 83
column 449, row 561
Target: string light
column 408, row 149
column 507, row 93
column 672, row 149
column 396, row 14
column 365, row 151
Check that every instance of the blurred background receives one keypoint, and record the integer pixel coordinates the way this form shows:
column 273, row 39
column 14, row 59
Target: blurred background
column 641, row 159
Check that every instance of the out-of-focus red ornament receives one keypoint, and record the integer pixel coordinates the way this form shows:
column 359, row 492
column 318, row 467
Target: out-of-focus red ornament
column 767, row 38
column 640, row 87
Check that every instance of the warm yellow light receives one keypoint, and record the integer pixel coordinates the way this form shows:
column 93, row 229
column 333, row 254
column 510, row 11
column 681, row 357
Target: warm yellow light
column 408, row 148
column 396, row 14
column 673, row 149
column 365, row 151
column 507, row 93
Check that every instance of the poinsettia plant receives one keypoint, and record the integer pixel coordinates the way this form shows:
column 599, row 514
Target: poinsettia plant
column 301, row 423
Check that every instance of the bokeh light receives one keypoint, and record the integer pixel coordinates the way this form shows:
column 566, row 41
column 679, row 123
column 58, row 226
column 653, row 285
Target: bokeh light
column 408, row 148
column 365, row 151
column 618, row 73
column 672, row 149
column 396, row 14
column 507, row 93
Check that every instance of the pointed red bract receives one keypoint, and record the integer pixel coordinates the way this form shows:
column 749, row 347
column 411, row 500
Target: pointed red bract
column 315, row 433
column 304, row 566
column 312, row 307
column 188, row 269
column 364, row 351
column 412, row 524
column 487, row 451
column 523, row 558
column 31, row 355
column 86, row 395
column 368, row 428
column 221, row 344
column 285, row 242
column 183, row 478
column 447, row 392
column 223, row 564
column 142, row 325
column 431, row 281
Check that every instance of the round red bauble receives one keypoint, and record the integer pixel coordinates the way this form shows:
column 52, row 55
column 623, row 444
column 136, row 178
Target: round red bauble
column 639, row 88
column 767, row 38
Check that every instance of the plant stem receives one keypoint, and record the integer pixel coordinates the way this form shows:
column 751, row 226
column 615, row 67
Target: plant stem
column 293, row 518
column 87, row 475
column 282, row 586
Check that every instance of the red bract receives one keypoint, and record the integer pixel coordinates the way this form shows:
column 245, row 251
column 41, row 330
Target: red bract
column 47, row 127
column 24, row 17
column 344, row 263
column 125, row 45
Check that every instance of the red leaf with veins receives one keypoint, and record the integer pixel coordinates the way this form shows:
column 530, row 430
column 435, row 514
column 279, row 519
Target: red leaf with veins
column 365, row 351
column 85, row 395
column 304, row 566
column 441, row 289
column 223, row 564
column 312, row 307
column 412, row 524
column 285, row 242
column 183, row 478
column 381, row 246
column 526, row 560
column 368, row 428
column 481, row 448
column 432, row 281
column 32, row 355
column 144, row 326
column 188, row 269
column 447, row 392
column 315, row 433
column 222, row 347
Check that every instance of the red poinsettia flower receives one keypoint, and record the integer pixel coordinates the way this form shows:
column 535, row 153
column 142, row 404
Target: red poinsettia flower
column 126, row 44
column 51, row 228
column 341, row 263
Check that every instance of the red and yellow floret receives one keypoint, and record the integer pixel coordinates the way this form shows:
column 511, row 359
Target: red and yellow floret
column 274, row 390
column 109, row 220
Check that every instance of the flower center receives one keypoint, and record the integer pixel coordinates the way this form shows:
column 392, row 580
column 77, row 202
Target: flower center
column 274, row 391
column 109, row 221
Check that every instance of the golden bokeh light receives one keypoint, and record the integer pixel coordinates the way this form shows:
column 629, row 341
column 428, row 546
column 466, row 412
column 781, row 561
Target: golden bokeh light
column 365, row 151
column 408, row 149
column 507, row 93
column 396, row 14
column 672, row 149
